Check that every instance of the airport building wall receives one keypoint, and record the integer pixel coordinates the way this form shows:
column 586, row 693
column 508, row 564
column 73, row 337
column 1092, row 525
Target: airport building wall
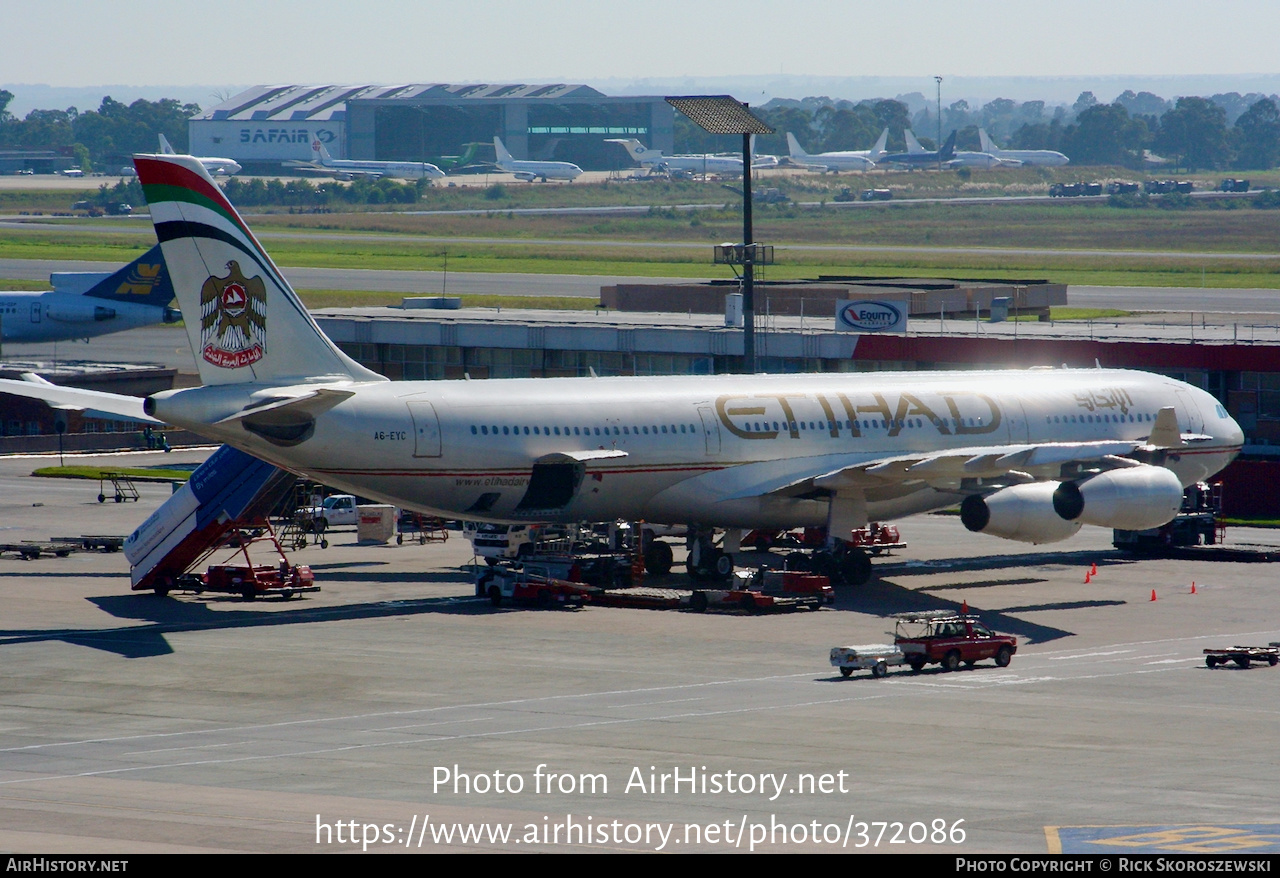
column 561, row 122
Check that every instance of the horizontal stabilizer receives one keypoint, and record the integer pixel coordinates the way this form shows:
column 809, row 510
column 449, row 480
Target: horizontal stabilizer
column 311, row 403
column 128, row 407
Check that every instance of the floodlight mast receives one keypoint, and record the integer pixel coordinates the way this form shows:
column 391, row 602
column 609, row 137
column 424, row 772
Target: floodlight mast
column 723, row 114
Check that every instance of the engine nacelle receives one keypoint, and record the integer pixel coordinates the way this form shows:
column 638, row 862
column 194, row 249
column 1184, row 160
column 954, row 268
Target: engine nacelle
column 80, row 312
column 1136, row 498
column 1022, row 512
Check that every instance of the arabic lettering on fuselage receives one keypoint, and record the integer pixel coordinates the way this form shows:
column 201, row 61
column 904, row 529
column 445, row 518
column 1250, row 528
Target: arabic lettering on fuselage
column 1113, row 398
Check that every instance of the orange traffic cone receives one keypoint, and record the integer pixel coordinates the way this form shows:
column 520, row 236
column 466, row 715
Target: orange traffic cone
column 964, row 607
column 1193, row 586
column 1087, row 576
column 1093, row 569
column 1153, row 594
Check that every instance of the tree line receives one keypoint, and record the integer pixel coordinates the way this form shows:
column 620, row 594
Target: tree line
column 1225, row 131
column 102, row 139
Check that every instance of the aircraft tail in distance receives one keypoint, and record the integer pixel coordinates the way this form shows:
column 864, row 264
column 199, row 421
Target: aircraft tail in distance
column 144, row 281
column 794, row 147
column 244, row 321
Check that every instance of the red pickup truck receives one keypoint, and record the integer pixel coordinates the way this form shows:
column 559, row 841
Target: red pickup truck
column 948, row 638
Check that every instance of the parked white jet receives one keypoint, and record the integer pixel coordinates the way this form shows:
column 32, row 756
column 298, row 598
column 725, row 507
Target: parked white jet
column 1044, row 157
column 369, row 168
column 710, row 163
column 962, row 158
column 849, row 160
column 1029, row 455
column 212, row 164
column 83, row 304
column 531, row 170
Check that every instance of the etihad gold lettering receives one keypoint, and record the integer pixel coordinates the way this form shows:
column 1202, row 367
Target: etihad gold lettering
column 881, row 408
column 851, row 412
column 892, row 414
column 908, row 404
column 832, row 424
column 792, row 427
column 726, row 413
column 982, row 424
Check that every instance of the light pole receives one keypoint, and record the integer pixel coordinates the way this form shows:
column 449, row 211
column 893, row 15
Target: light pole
column 938, row 80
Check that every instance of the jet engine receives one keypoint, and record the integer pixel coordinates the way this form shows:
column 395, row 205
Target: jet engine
column 1022, row 512
column 79, row 313
column 1136, row 498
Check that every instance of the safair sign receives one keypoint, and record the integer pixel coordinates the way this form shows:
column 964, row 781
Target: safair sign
column 871, row 315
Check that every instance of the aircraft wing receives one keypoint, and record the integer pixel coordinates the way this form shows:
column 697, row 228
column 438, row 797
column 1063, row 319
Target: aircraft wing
column 127, row 407
column 944, row 469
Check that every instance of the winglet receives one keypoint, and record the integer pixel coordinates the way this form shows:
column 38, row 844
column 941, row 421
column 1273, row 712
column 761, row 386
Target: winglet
column 1165, row 432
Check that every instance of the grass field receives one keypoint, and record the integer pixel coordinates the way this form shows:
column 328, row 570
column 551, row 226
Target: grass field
column 1067, row 242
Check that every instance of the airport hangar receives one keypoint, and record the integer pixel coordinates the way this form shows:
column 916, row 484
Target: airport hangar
column 266, row 126
column 641, row 333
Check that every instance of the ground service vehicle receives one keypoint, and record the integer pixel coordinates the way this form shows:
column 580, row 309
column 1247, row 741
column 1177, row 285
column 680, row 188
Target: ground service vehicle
column 767, row 591
column 1195, row 524
column 336, row 511
column 530, row 583
column 947, row 638
column 876, row 657
column 877, row 194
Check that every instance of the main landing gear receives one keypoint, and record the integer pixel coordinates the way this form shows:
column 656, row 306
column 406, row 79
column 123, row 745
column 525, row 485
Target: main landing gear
column 842, row 563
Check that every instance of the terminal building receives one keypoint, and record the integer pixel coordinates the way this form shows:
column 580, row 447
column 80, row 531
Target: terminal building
column 265, row 126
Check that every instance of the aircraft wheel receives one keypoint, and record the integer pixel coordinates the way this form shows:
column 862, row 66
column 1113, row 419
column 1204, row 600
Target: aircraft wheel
column 724, row 565
column 855, row 567
column 658, row 558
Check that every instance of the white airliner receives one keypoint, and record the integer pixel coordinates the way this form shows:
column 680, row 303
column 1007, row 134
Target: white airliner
column 1043, row 157
column 962, row 158
column 531, row 170
column 849, row 160
column 370, row 168
column 212, row 164
column 86, row 304
column 1029, row 455
column 694, row 164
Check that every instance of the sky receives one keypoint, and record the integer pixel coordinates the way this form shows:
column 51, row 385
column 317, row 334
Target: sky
column 246, row 42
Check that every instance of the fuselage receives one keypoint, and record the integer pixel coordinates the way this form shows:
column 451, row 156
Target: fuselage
column 717, row 450
column 400, row 170
column 54, row 316
column 1043, row 157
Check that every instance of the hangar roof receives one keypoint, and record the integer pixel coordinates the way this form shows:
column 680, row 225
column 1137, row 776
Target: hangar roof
column 323, row 103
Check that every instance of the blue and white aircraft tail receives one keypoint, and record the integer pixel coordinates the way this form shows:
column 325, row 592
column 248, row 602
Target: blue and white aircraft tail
column 86, row 304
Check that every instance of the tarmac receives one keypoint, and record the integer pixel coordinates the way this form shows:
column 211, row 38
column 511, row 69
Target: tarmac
column 397, row 709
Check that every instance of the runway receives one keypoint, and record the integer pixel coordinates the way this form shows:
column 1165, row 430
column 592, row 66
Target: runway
column 434, row 283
